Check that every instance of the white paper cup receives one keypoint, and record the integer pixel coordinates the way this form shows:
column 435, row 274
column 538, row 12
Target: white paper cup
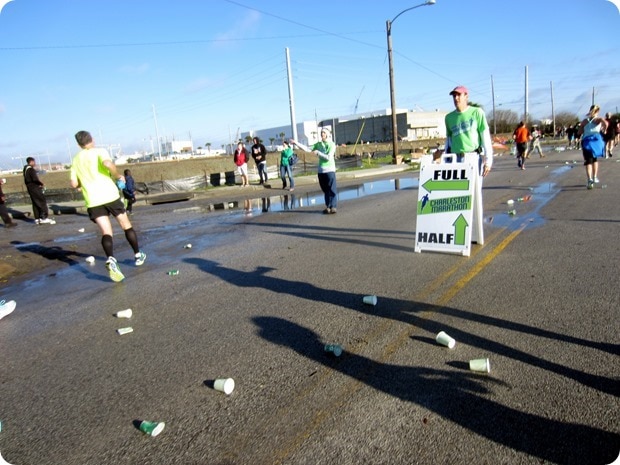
column 122, row 331
column 370, row 300
column 480, row 364
column 510, row 202
column 225, row 385
column 124, row 313
column 81, row 230
column 445, row 340
column 90, row 260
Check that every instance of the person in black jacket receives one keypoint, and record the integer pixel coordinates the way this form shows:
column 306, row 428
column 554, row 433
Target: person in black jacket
column 35, row 190
column 4, row 212
column 259, row 153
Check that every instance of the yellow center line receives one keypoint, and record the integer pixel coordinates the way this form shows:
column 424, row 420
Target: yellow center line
column 355, row 384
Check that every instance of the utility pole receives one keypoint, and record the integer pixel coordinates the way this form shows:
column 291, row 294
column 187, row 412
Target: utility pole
column 291, row 96
column 525, row 113
column 493, row 98
column 552, row 109
column 157, row 133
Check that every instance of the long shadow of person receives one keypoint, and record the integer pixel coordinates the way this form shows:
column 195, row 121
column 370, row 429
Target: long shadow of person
column 460, row 397
column 69, row 257
column 418, row 314
column 50, row 253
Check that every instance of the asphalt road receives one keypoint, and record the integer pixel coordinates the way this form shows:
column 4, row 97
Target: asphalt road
column 259, row 294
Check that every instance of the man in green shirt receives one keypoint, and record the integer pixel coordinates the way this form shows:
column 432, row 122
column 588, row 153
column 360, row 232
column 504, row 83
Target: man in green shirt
column 467, row 130
column 94, row 172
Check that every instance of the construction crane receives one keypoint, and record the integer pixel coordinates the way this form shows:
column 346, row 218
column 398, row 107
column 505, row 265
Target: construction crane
column 358, row 100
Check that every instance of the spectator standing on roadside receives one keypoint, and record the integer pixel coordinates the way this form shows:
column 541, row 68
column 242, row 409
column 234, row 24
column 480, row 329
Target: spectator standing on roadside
column 129, row 193
column 286, row 169
column 577, row 135
column 570, row 133
column 35, row 190
column 241, row 159
column 592, row 143
column 95, row 173
column 610, row 136
column 259, row 153
column 535, row 143
column 467, row 130
column 521, row 137
column 325, row 149
column 4, row 212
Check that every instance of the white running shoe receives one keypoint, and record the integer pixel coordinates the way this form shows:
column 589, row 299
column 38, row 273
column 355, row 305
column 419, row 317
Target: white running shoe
column 140, row 257
column 596, row 180
column 7, row 308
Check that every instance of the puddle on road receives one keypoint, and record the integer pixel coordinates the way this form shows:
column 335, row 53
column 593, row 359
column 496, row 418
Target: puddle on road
column 539, row 196
column 287, row 201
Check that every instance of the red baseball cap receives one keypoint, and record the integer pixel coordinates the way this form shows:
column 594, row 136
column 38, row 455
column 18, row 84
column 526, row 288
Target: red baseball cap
column 459, row 90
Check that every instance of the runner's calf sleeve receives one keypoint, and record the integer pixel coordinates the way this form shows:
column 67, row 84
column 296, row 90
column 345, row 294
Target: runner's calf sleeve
column 108, row 245
column 132, row 238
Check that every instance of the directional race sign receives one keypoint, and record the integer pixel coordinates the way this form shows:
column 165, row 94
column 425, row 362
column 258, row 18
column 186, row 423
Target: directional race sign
column 449, row 213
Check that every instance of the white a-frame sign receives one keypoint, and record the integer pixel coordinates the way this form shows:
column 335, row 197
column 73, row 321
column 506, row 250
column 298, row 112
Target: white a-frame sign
column 449, row 209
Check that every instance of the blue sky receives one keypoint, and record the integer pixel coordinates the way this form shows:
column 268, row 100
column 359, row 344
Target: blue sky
column 211, row 67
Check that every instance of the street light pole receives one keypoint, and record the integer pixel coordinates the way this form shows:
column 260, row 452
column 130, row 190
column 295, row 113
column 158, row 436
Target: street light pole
column 388, row 27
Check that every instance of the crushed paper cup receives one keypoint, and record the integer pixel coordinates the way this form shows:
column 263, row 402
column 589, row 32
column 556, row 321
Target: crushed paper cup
column 90, row 260
column 122, row 331
column 370, row 300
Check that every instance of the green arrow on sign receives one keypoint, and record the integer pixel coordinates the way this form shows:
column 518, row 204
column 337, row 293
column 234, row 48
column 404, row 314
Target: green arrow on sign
column 460, row 225
column 458, row 185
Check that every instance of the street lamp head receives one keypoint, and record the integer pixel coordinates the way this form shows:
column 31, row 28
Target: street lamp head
column 431, row 2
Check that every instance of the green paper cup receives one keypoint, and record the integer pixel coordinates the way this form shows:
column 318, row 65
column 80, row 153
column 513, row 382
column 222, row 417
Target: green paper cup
column 334, row 349
column 152, row 428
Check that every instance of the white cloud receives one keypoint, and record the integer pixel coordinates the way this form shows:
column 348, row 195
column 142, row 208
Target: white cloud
column 197, row 85
column 241, row 29
column 135, row 70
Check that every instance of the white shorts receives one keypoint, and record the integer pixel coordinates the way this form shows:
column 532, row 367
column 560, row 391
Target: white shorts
column 243, row 169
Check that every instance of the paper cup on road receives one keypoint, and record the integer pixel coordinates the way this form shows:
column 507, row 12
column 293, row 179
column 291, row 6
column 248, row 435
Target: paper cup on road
column 90, row 260
column 187, row 246
column 480, row 364
column 334, row 349
column 225, row 385
column 124, row 313
column 81, row 230
column 445, row 340
column 152, row 428
column 510, row 202
column 370, row 300
column 122, row 331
